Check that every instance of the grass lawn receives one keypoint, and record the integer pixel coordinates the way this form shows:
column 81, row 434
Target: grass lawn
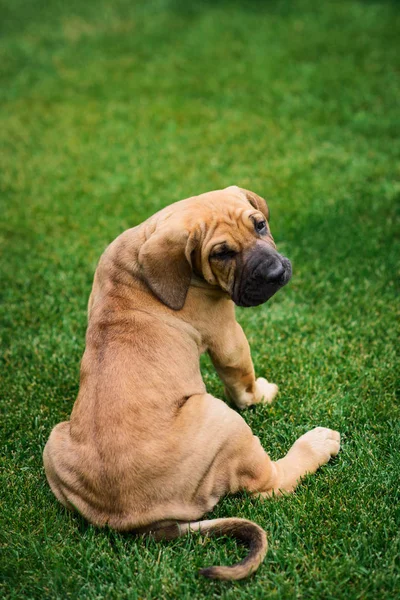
column 111, row 110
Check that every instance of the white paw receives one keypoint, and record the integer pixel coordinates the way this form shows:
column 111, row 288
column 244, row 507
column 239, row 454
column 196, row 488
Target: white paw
column 265, row 391
column 321, row 443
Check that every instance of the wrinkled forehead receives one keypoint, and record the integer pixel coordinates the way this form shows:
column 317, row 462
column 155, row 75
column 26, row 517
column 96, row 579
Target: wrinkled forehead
column 240, row 218
column 231, row 223
column 230, row 207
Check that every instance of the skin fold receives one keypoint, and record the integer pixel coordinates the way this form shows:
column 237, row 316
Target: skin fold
column 146, row 448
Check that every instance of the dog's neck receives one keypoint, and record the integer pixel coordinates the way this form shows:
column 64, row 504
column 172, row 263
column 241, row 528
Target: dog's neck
column 199, row 282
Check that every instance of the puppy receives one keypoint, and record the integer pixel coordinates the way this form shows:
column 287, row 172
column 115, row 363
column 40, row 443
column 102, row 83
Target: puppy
column 146, row 448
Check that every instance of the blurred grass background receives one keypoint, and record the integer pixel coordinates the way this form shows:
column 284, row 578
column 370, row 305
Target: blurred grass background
column 111, row 110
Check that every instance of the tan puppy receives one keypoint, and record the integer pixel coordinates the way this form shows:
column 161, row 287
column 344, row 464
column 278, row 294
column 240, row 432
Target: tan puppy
column 146, row 448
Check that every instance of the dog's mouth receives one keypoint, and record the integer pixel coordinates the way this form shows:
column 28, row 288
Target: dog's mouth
column 261, row 277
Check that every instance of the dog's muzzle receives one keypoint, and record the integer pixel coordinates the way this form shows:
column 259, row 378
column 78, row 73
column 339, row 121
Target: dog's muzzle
column 263, row 273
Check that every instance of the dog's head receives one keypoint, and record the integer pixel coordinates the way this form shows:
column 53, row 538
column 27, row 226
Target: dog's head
column 222, row 237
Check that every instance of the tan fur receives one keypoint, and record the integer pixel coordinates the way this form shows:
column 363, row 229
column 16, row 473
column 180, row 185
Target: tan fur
column 146, row 445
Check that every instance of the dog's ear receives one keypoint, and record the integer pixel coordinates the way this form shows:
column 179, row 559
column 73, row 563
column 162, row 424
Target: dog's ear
column 165, row 260
column 258, row 202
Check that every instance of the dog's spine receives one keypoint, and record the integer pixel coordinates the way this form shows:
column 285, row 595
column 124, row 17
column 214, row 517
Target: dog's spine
column 246, row 531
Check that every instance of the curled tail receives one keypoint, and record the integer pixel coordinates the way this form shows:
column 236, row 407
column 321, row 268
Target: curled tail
column 246, row 531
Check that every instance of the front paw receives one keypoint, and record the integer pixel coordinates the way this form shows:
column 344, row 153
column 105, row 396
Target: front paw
column 265, row 391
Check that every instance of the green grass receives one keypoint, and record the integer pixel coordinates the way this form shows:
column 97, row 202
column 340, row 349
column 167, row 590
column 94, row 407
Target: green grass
column 111, row 110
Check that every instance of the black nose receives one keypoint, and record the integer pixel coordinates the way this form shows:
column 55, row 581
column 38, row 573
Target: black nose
column 275, row 272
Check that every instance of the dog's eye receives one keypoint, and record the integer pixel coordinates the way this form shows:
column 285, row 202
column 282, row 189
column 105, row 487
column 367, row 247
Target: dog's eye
column 224, row 254
column 261, row 226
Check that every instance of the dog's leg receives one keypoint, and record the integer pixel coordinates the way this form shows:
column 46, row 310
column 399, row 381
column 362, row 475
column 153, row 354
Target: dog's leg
column 230, row 354
column 310, row 451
